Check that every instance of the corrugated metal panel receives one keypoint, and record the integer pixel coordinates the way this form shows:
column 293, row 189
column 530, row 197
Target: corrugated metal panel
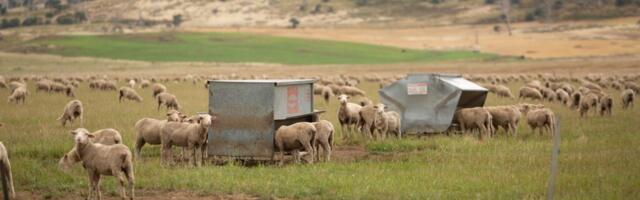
column 427, row 102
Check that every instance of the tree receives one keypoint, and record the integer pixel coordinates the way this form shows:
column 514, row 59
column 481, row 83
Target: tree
column 506, row 8
column 3, row 10
column 177, row 20
column 80, row 16
column 30, row 21
column 294, row 23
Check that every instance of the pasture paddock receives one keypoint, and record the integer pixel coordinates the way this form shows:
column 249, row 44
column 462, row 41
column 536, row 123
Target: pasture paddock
column 597, row 158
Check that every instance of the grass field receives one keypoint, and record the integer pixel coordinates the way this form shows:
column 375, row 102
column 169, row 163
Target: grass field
column 238, row 47
column 598, row 157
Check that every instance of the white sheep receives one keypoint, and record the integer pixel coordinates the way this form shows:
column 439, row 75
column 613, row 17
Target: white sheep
column 542, row 118
column 606, row 105
column 5, row 167
column 144, row 83
column 109, row 160
column 530, row 92
column 348, row 114
column 148, row 130
column 18, row 95
column 128, row 93
column 387, row 121
column 506, row 117
column 169, row 100
column 132, row 83
column 73, row 110
column 628, row 96
column 503, row 91
column 107, row 136
column 293, row 138
column 190, row 135
column 472, row 118
column 324, row 138
column 158, row 88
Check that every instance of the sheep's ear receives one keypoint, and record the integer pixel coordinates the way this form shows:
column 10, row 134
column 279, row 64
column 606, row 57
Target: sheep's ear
column 73, row 132
column 90, row 136
column 376, row 107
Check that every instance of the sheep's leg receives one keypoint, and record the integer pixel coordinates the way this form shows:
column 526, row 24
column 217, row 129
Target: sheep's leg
column 296, row 156
column 121, row 179
column 198, row 155
column 130, row 178
column 316, row 148
column 309, row 149
column 8, row 178
column 168, row 157
column 191, row 152
column 98, row 192
column 138, row 148
column 326, row 151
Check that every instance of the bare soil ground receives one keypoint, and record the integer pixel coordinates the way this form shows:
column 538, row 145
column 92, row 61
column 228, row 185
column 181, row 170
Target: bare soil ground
column 533, row 40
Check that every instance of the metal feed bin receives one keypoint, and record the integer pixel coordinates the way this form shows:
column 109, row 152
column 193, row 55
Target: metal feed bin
column 427, row 102
column 249, row 111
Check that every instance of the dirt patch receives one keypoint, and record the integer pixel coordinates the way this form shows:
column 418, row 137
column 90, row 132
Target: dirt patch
column 143, row 194
column 349, row 153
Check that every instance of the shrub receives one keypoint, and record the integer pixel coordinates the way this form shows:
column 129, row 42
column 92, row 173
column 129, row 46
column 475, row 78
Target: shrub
column 177, row 20
column 3, row 10
column 49, row 15
column 489, row 1
column 15, row 22
column 65, row 20
column 361, row 2
column 80, row 16
column 30, row 21
column 294, row 22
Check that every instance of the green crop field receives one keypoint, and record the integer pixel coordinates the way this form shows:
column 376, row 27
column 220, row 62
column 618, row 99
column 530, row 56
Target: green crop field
column 237, row 47
column 598, row 157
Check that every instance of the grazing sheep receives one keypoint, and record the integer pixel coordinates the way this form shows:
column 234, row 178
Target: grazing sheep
column 144, row 84
column 575, row 100
column 324, row 138
column 506, row 117
column 529, row 92
column 72, row 111
column 503, row 91
column 104, row 136
column 158, row 88
column 351, row 91
column 43, row 85
column 5, row 167
column 628, row 96
column 589, row 101
column 148, row 130
column 13, row 85
column 562, row 96
column 327, row 93
column 387, row 121
column 128, row 93
column 543, row 119
column 132, row 83
column 633, row 86
column 348, row 114
column 470, row 118
column 193, row 136
column 169, row 100
column 606, row 105
column 294, row 138
column 18, row 95
column 110, row 160
column 3, row 82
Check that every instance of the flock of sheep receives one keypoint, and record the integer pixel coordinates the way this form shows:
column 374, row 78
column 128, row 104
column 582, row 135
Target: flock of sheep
column 102, row 152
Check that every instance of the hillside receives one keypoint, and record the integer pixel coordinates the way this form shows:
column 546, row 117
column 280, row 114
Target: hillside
column 328, row 13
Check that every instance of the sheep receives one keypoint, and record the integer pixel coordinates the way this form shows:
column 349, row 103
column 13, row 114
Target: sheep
column 5, row 167
column 43, row 85
column 628, row 96
column 477, row 117
column 324, row 138
column 293, row 138
column 3, row 82
column 18, row 95
column 148, row 130
column 503, row 91
column 144, row 83
column 169, row 100
column 562, row 96
column 132, row 83
column 128, row 93
column 633, row 86
column 606, row 104
column 351, row 91
column 327, row 93
column 104, row 136
column 110, row 160
column 13, row 85
column 506, row 117
column 367, row 116
column 72, row 111
column 108, row 85
column 387, row 121
column 529, row 92
column 541, row 118
column 158, row 88
column 192, row 136
column 590, row 100
column 348, row 114
column 575, row 100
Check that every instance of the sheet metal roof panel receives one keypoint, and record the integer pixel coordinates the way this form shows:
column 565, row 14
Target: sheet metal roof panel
column 463, row 84
column 274, row 81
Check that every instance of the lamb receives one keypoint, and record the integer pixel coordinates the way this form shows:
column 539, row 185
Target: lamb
column 503, row 91
column 529, row 92
column 128, row 93
column 158, row 88
column 543, row 119
column 18, row 95
column 606, row 105
column 294, row 138
column 348, row 114
column 562, row 96
column 104, row 136
column 387, row 121
column 148, row 130
column 628, row 96
column 477, row 117
column 169, row 100
column 192, row 136
column 367, row 116
column 110, row 160
column 506, row 117
column 589, row 101
column 324, row 138
column 5, row 169
column 72, row 111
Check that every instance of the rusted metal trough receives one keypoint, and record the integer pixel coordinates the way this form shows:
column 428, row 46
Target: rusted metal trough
column 250, row 111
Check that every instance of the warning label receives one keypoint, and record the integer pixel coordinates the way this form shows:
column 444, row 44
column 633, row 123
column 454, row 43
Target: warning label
column 417, row 88
column 293, row 106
